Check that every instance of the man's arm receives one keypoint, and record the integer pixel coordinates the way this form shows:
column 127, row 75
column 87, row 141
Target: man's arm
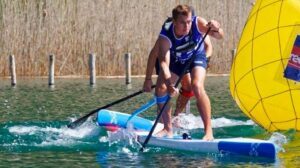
column 150, row 66
column 216, row 31
column 208, row 47
column 164, row 58
column 208, row 50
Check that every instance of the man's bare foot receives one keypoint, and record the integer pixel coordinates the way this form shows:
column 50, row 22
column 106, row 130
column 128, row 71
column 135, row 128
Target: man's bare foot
column 208, row 135
column 164, row 133
column 208, row 138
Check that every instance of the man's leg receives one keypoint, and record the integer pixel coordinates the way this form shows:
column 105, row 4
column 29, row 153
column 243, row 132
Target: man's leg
column 203, row 102
column 185, row 94
column 161, row 93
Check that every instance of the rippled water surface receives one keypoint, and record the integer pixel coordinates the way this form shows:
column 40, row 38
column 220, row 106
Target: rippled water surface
column 33, row 130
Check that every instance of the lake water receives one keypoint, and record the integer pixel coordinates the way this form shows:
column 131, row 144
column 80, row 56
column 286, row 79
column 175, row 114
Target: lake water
column 33, row 130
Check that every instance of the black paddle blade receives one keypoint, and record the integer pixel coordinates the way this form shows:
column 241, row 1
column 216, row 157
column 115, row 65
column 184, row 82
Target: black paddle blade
column 75, row 124
column 81, row 120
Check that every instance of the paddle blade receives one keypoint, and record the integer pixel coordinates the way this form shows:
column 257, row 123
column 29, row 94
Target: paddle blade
column 81, row 120
column 76, row 123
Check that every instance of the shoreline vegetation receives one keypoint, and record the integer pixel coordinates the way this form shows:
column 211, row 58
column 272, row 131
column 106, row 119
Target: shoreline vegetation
column 99, row 77
column 31, row 30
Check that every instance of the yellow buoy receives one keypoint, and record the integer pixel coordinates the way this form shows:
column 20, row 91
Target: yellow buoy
column 265, row 74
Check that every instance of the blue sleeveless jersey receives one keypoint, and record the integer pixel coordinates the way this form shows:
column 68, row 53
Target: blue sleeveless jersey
column 183, row 48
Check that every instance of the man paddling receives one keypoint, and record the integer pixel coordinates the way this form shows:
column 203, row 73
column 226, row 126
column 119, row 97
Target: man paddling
column 185, row 92
column 177, row 43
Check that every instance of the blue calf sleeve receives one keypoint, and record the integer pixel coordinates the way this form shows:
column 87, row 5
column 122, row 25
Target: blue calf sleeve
column 161, row 99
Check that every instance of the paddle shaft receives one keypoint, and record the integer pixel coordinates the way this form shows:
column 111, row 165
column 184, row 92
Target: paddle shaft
column 169, row 98
column 81, row 120
column 141, row 109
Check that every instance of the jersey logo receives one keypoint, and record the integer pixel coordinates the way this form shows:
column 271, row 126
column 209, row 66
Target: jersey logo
column 187, row 38
column 167, row 25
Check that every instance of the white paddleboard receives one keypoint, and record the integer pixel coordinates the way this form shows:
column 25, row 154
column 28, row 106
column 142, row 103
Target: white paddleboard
column 142, row 126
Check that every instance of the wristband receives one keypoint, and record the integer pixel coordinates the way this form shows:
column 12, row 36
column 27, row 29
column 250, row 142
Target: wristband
column 207, row 60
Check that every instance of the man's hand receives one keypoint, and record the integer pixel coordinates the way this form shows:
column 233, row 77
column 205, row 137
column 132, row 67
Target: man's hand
column 172, row 90
column 147, row 85
column 216, row 31
column 215, row 26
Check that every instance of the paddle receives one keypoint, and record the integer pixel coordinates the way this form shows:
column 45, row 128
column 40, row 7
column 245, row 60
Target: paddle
column 141, row 109
column 169, row 98
column 81, row 120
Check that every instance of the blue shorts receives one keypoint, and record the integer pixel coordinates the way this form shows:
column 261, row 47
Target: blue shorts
column 177, row 66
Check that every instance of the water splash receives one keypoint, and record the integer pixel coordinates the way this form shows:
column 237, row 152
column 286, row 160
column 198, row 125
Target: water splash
column 86, row 130
column 125, row 139
column 46, row 135
column 279, row 140
column 189, row 121
column 126, row 136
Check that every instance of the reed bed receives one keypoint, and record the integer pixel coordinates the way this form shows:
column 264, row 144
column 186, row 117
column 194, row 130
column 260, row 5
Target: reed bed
column 71, row 29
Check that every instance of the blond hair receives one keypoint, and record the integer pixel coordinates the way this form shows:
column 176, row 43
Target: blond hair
column 184, row 10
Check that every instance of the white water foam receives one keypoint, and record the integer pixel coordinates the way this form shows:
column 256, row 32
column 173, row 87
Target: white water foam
column 124, row 137
column 103, row 139
column 189, row 121
column 79, row 133
column 52, row 136
column 279, row 140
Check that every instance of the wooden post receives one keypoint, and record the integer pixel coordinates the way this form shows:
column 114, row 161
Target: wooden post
column 128, row 68
column 12, row 67
column 51, row 69
column 233, row 52
column 92, row 59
